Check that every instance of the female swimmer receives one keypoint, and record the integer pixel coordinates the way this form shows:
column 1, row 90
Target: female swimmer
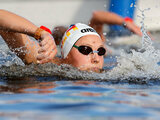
column 81, row 47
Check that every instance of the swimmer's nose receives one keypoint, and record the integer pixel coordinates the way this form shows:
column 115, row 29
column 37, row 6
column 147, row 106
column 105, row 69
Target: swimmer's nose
column 95, row 57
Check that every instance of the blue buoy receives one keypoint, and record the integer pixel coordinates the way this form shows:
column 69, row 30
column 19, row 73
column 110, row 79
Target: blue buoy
column 124, row 8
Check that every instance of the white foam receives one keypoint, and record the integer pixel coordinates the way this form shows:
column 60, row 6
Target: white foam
column 142, row 64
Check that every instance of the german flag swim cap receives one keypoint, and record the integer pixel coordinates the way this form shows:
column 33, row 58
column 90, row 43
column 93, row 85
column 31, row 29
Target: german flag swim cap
column 73, row 34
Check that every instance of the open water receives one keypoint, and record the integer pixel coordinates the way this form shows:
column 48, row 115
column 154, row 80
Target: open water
column 128, row 88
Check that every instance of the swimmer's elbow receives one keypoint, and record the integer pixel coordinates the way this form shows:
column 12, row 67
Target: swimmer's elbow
column 2, row 12
column 100, row 14
column 95, row 14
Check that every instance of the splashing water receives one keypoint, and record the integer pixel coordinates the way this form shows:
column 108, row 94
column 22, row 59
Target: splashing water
column 138, row 65
column 9, row 58
column 142, row 64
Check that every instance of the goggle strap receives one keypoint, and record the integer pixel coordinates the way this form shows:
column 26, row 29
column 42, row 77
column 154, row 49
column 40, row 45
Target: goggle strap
column 76, row 46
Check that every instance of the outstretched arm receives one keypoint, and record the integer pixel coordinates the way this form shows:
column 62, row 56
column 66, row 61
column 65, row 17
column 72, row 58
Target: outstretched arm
column 13, row 28
column 13, row 23
column 99, row 18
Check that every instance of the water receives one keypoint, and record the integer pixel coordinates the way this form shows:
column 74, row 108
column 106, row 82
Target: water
column 46, row 98
column 125, row 90
column 128, row 88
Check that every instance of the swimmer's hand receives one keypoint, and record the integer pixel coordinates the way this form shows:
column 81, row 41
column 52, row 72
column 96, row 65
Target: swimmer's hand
column 47, row 50
column 133, row 28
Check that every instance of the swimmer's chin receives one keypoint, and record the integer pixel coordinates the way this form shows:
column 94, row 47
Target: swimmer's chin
column 92, row 69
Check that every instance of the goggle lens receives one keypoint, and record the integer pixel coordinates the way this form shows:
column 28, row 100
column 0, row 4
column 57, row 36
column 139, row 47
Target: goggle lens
column 86, row 50
column 101, row 51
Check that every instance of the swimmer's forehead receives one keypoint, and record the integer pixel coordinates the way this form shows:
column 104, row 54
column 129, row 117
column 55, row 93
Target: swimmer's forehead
column 91, row 40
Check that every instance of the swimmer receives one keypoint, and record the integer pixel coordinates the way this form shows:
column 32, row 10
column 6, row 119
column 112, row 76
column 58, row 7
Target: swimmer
column 81, row 46
column 99, row 18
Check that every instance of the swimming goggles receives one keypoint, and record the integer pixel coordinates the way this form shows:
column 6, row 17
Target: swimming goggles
column 86, row 50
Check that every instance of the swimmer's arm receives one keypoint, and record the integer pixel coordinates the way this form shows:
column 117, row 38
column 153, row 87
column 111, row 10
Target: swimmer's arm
column 10, row 22
column 13, row 23
column 21, row 44
column 103, row 17
column 25, row 48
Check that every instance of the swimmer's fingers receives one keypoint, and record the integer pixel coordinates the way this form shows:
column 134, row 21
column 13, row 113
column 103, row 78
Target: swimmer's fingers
column 47, row 59
column 149, row 34
column 47, row 56
column 47, row 40
column 137, row 31
column 43, row 55
column 134, row 28
column 46, row 48
column 46, row 43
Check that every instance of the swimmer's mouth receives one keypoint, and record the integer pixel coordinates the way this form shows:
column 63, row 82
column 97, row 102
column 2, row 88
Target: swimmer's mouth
column 94, row 69
column 91, row 69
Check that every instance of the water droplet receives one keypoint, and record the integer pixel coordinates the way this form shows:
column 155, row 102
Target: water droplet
column 109, row 43
column 131, row 5
column 104, row 33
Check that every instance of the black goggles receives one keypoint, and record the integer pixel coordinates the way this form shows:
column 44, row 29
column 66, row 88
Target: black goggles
column 86, row 50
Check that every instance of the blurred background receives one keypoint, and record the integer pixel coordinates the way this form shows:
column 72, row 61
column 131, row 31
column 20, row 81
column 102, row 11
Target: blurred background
column 65, row 12
column 54, row 12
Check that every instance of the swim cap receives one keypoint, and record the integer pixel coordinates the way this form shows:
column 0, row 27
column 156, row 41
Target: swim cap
column 73, row 34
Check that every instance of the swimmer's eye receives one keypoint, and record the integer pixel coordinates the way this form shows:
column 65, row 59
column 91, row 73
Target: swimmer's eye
column 86, row 50
column 101, row 51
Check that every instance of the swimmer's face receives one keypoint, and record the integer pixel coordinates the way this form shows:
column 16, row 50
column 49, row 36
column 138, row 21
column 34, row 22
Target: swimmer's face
column 90, row 62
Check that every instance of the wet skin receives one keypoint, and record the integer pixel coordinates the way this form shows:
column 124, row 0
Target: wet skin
column 91, row 62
